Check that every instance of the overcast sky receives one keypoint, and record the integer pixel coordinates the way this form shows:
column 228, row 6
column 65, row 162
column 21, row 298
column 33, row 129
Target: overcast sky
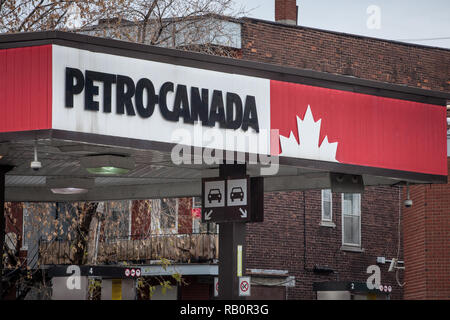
column 398, row 19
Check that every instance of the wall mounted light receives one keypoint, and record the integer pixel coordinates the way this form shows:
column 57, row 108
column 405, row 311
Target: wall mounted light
column 108, row 164
column 70, row 185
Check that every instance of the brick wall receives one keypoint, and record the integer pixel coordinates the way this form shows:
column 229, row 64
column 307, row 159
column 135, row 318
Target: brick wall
column 426, row 224
column 278, row 242
column 426, row 243
column 332, row 52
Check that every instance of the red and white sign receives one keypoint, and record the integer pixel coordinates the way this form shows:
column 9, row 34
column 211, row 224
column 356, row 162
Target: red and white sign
column 358, row 129
column 127, row 272
column 138, row 272
column 313, row 122
column 133, row 272
column 196, row 213
column 216, row 286
column 244, row 286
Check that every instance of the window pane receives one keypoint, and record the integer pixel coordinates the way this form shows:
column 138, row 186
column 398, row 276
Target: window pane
column 346, row 207
column 347, row 230
column 351, row 230
column 351, row 204
column 326, row 215
column 356, row 204
column 326, row 195
column 348, row 196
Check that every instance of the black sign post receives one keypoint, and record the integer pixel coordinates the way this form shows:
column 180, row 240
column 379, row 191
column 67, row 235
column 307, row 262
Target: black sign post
column 232, row 199
column 231, row 235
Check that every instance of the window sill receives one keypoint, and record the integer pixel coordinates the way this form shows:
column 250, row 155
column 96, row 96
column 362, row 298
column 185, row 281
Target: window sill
column 328, row 224
column 352, row 249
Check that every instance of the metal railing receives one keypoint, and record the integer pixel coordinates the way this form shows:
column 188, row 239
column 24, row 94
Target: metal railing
column 184, row 248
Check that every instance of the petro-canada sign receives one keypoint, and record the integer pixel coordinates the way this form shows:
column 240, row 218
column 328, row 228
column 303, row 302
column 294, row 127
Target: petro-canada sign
column 146, row 100
column 191, row 104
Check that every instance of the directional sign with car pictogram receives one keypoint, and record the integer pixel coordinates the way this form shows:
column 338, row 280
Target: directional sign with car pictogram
column 225, row 200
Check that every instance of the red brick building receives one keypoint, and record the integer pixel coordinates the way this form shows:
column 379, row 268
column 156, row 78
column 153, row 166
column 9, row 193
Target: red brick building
column 426, row 245
column 425, row 227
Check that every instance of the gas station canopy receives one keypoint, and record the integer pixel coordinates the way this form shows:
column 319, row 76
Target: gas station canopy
column 84, row 118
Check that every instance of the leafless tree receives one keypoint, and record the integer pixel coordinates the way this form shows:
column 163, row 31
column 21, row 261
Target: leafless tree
column 201, row 25
column 40, row 15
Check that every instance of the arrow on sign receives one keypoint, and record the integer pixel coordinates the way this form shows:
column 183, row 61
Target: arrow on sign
column 208, row 215
column 243, row 213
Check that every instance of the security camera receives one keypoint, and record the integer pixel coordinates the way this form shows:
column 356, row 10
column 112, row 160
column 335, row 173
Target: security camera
column 408, row 202
column 36, row 165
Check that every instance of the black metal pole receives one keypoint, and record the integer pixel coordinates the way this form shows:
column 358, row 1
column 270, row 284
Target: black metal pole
column 3, row 170
column 231, row 235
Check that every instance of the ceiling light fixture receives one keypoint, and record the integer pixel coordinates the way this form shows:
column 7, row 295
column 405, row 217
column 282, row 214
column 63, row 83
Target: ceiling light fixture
column 3, row 150
column 67, row 191
column 108, row 164
column 70, row 185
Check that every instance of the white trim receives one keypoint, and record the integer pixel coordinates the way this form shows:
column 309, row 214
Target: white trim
column 353, row 248
column 329, row 224
column 344, row 244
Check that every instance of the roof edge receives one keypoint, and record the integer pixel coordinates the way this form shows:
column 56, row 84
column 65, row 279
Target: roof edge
column 224, row 64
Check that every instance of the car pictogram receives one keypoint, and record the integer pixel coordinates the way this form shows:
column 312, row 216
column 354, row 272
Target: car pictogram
column 214, row 194
column 237, row 193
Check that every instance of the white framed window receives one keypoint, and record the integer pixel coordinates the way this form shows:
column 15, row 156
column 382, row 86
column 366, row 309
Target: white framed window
column 351, row 219
column 327, row 205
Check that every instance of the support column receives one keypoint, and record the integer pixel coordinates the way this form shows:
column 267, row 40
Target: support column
column 3, row 170
column 231, row 235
